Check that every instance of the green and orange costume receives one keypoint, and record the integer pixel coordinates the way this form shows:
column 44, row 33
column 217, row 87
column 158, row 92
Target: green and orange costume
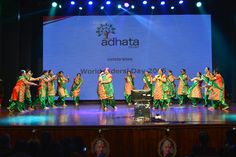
column 182, row 91
column 171, row 91
column 160, row 92
column 217, row 94
column 129, row 86
column 75, row 90
column 195, row 91
column 51, row 90
column 61, row 89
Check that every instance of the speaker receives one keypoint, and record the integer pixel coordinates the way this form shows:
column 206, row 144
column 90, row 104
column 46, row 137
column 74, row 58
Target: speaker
column 142, row 112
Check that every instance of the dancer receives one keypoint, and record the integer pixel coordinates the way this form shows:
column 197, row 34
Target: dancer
column 170, row 81
column 43, row 90
column 109, row 89
column 61, row 88
column 28, row 100
column 217, row 94
column 51, row 88
column 18, row 94
column 75, row 89
column 129, row 86
column 101, row 91
column 183, row 86
column 195, row 91
column 207, row 78
column 147, row 79
column 160, row 91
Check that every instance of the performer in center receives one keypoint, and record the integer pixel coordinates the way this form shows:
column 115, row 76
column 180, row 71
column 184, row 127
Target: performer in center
column 195, row 91
column 147, row 79
column 75, row 89
column 160, row 91
column 109, row 89
column 61, row 88
column 129, row 86
column 183, row 86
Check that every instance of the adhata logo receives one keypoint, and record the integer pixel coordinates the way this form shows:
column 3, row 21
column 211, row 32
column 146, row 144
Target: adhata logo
column 106, row 29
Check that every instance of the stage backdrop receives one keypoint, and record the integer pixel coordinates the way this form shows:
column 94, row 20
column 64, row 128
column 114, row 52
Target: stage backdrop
column 86, row 44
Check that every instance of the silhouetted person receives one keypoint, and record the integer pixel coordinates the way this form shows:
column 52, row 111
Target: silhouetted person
column 20, row 150
column 229, row 148
column 202, row 149
column 5, row 145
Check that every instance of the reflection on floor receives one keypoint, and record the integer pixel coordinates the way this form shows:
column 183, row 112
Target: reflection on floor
column 92, row 115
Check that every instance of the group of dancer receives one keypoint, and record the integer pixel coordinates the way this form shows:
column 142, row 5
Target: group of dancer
column 21, row 96
column 162, row 86
column 164, row 90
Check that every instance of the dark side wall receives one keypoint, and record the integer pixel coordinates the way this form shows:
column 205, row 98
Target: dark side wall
column 20, row 44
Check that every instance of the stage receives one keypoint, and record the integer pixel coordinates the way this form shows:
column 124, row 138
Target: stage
column 92, row 115
column 181, row 123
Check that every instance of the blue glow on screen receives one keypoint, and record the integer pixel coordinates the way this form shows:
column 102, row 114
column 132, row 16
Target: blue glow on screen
column 137, row 43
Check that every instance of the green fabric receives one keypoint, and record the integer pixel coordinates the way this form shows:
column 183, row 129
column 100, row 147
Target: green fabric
column 51, row 101
column 171, row 88
column 195, row 83
column 76, row 99
column 77, row 85
column 128, row 98
column 150, row 86
column 109, row 90
column 61, row 100
column 183, row 78
column 28, row 102
column 160, row 103
column 181, row 99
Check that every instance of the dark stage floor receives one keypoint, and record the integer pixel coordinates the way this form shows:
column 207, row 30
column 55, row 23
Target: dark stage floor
column 92, row 115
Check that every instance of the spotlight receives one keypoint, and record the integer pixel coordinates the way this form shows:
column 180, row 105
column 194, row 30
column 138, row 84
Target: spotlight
column 199, row 4
column 72, row 2
column 181, row 2
column 118, row 6
column 152, row 7
column 163, row 2
column 172, row 7
column 90, row 2
column 102, row 7
column 144, row 2
column 126, row 4
column 132, row 7
column 54, row 4
column 80, row 8
column 108, row 2
column 60, row 6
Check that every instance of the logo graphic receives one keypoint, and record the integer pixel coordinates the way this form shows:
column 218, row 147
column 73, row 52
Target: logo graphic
column 105, row 29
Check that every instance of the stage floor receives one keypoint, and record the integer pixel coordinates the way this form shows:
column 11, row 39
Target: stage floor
column 92, row 115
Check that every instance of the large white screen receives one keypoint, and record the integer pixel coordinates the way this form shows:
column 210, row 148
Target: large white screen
column 135, row 43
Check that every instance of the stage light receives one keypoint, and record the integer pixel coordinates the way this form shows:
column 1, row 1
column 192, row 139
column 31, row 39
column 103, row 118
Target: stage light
column 54, row 4
column 126, row 4
column 199, row 4
column 144, row 2
column 181, row 2
column 108, row 2
column 172, row 7
column 132, row 7
column 60, row 6
column 90, row 2
column 163, row 2
column 80, row 8
column 118, row 6
column 72, row 2
column 102, row 7
column 152, row 7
